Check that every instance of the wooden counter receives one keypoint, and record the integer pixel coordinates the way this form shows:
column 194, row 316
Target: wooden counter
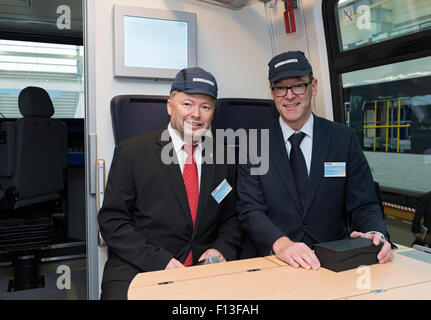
column 270, row 278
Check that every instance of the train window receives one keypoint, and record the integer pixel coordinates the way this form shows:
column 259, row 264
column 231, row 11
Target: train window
column 389, row 107
column 379, row 57
column 57, row 68
column 361, row 23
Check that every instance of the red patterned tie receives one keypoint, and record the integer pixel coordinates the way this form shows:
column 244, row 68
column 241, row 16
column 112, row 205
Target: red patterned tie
column 191, row 182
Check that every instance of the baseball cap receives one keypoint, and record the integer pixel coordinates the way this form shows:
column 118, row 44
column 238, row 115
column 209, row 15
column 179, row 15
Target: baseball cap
column 195, row 80
column 288, row 64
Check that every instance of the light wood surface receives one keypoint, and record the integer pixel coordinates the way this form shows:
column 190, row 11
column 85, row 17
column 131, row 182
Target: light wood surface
column 277, row 280
column 276, row 260
column 199, row 272
column 417, row 291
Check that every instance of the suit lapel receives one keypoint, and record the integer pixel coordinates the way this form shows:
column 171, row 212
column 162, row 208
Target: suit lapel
column 319, row 154
column 174, row 177
column 278, row 153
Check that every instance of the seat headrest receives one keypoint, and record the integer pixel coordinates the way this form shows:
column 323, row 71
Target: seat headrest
column 35, row 102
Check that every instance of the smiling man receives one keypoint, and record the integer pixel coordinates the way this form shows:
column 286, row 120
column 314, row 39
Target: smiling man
column 318, row 178
column 158, row 214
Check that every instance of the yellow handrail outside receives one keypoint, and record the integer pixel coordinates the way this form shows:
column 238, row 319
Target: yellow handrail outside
column 375, row 123
column 387, row 125
column 398, row 131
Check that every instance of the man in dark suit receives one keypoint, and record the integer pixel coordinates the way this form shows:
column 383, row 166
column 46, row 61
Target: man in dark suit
column 158, row 211
column 317, row 177
column 423, row 209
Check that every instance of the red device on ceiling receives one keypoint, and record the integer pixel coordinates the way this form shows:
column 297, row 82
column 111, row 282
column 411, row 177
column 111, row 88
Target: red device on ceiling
column 289, row 17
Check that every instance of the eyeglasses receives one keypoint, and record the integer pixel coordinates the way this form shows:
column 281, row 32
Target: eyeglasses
column 296, row 89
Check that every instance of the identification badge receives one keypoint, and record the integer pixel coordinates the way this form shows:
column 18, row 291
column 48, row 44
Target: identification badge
column 221, row 191
column 335, row 169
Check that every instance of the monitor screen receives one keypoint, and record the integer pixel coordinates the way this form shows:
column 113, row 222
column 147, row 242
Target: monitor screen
column 156, row 38
column 152, row 43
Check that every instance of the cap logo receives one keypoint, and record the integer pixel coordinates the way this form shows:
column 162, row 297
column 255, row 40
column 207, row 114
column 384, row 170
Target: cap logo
column 203, row 80
column 285, row 62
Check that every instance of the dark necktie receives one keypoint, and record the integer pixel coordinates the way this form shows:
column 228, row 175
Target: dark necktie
column 191, row 182
column 299, row 168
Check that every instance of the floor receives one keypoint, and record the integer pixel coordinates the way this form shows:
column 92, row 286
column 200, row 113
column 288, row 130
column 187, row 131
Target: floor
column 56, row 285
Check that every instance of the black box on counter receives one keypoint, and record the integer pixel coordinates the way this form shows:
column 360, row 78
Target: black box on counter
column 347, row 254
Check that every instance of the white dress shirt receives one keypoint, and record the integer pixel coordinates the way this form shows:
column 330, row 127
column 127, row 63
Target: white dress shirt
column 306, row 144
column 182, row 154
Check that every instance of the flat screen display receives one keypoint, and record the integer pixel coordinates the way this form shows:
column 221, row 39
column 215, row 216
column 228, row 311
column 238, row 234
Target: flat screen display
column 155, row 43
column 152, row 43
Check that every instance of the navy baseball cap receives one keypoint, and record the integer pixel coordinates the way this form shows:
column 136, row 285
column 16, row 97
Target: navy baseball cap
column 288, row 64
column 195, row 80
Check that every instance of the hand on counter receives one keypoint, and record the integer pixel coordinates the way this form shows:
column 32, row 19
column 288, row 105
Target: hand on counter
column 296, row 254
column 209, row 252
column 174, row 264
column 385, row 254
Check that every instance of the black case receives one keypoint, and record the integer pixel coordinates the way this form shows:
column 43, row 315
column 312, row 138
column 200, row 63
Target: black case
column 347, row 254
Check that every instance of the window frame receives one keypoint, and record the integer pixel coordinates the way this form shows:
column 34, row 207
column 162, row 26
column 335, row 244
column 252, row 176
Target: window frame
column 20, row 36
column 47, row 39
column 404, row 48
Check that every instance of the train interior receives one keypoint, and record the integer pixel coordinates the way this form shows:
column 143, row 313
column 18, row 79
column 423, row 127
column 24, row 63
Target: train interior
column 374, row 68
column 44, row 226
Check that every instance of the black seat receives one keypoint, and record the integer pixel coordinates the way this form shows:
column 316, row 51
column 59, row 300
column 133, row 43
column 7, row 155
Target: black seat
column 237, row 113
column 241, row 115
column 133, row 115
column 33, row 152
column 32, row 162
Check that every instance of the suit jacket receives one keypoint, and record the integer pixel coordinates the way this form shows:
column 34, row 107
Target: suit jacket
column 269, row 207
column 145, row 218
column 423, row 209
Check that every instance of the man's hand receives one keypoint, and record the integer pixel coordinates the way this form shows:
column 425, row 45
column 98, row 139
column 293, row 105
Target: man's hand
column 385, row 254
column 295, row 254
column 209, row 252
column 174, row 264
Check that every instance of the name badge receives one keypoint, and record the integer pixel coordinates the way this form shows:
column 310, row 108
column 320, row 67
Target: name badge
column 335, row 169
column 221, row 191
